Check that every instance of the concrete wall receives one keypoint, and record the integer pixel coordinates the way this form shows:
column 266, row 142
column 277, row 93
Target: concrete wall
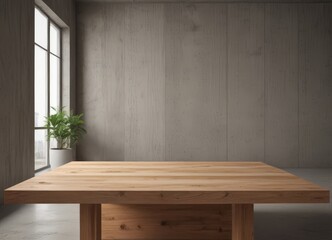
column 17, row 86
column 16, row 92
column 206, row 82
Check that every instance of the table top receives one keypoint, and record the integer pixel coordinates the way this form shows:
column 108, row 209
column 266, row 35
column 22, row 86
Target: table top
column 166, row 183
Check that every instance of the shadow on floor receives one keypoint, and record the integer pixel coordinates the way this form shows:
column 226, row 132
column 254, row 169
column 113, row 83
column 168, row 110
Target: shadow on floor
column 293, row 222
column 6, row 211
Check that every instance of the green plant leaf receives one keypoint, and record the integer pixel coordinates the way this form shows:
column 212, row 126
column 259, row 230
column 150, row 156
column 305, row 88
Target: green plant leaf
column 66, row 129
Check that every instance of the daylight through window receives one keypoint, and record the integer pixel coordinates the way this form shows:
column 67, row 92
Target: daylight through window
column 47, row 81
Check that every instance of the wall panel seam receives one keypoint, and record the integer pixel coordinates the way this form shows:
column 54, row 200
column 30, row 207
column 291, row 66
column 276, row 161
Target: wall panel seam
column 226, row 84
column 264, row 87
column 298, row 86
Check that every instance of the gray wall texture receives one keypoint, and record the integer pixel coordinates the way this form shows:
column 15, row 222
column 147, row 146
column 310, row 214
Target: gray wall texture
column 17, row 85
column 206, row 82
column 16, row 92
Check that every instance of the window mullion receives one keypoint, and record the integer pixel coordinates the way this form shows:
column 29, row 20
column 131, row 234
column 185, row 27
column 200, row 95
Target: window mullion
column 40, row 46
column 40, row 128
column 48, row 85
column 60, row 70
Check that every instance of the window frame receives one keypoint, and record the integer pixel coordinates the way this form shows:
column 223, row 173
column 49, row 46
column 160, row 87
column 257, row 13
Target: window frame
column 48, row 80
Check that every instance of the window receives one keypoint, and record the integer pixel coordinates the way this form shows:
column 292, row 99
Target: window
column 47, row 81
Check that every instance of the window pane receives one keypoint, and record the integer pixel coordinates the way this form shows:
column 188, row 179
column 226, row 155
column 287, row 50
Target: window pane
column 55, row 40
column 40, row 28
column 54, row 83
column 40, row 148
column 40, row 86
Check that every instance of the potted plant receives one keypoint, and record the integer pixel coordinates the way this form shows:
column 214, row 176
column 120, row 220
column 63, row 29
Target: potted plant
column 66, row 130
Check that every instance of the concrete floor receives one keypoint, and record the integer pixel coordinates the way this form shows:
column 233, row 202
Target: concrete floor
column 272, row 222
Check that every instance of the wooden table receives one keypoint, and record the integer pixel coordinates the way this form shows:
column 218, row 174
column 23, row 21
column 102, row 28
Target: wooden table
column 166, row 200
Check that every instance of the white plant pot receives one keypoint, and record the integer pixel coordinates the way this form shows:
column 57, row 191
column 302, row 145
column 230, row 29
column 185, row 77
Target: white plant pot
column 59, row 157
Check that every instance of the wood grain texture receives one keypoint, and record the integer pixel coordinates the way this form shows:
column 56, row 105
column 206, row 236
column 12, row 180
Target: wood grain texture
column 144, row 83
column 315, row 68
column 281, row 85
column 166, row 222
column 242, row 222
column 166, row 183
column 90, row 222
column 195, row 51
column 245, row 82
column 102, row 80
column 16, row 92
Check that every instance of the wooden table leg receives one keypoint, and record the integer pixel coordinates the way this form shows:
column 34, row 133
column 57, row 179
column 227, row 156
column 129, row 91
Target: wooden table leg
column 90, row 221
column 242, row 222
